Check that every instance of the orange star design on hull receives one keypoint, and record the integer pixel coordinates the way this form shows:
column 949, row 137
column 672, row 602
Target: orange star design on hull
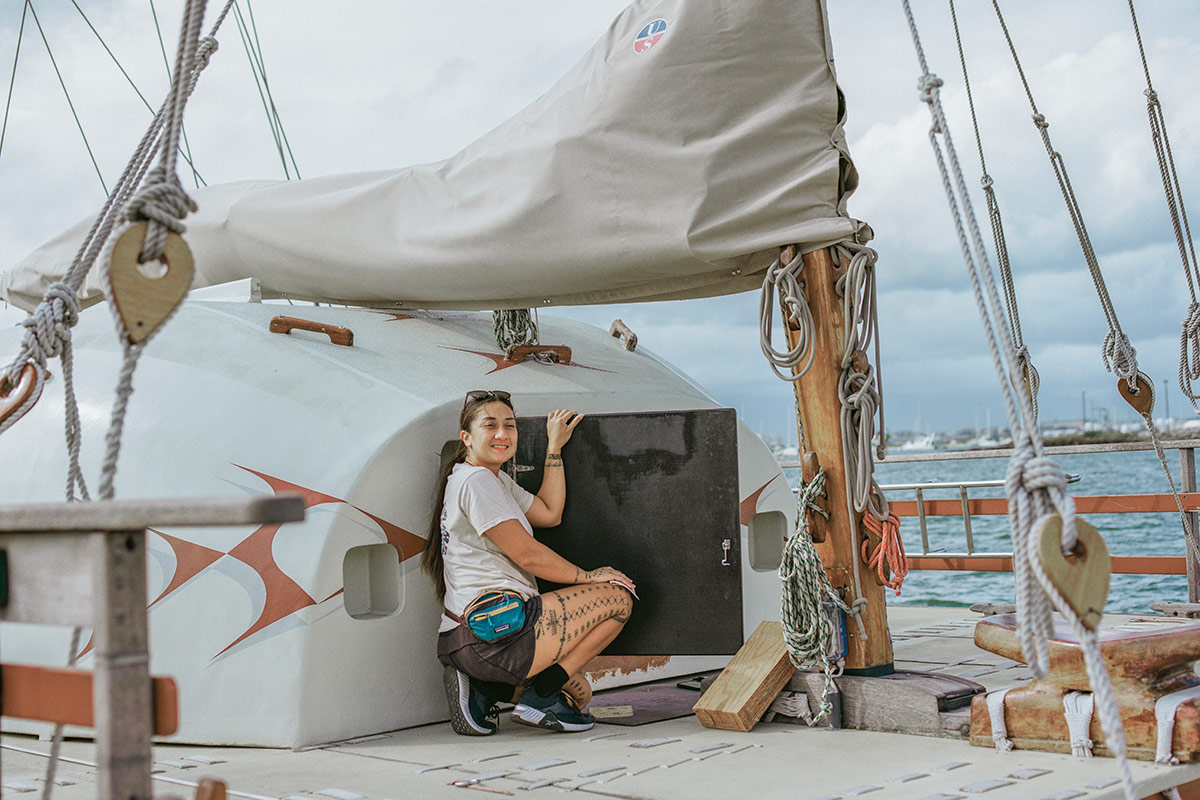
column 503, row 363
column 283, row 595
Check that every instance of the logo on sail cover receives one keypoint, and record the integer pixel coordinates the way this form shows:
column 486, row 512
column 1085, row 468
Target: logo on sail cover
column 649, row 35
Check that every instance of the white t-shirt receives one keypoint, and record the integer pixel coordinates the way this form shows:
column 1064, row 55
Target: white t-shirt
column 476, row 500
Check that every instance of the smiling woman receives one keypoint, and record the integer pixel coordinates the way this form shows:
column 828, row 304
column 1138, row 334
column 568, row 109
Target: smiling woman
column 499, row 639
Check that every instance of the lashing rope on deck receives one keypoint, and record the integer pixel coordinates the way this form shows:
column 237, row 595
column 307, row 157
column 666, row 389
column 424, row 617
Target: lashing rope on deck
column 1077, row 710
column 1035, row 485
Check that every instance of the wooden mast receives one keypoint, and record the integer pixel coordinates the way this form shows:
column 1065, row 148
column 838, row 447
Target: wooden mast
column 821, row 445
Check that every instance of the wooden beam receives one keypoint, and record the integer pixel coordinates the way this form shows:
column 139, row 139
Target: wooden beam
column 821, row 432
column 755, row 676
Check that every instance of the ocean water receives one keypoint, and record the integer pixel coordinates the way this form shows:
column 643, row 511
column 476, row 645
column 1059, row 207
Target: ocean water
column 1099, row 473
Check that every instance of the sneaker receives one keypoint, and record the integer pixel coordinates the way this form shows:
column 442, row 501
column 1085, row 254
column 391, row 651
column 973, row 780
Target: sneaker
column 470, row 708
column 554, row 714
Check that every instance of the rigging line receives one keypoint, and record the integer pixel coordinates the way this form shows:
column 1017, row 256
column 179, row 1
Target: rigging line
column 1118, row 353
column 1029, row 373
column 63, row 84
column 187, row 156
column 1035, row 485
column 1190, row 332
column 259, row 84
column 263, row 68
column 13, row 80
column 162, row 46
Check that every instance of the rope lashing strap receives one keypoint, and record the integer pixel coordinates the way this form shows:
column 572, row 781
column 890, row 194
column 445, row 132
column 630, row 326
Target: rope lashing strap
column 995, row 704
column 887, row 559
column 1035, row 485
column 1077, row 710
column 807, row 630
column 1189, row 337
column 1164, row 713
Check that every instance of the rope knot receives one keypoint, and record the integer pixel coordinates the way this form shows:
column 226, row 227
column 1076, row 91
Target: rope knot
column 1119, row 356
column 204, row 51
column 48, row 329
column 927, row 85
column 161, row 200
column 1151, row 97
column 1041, row 472
column 986, row 181
column 1040, row 121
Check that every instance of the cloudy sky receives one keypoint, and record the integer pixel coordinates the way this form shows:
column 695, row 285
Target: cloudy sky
column 385, row 83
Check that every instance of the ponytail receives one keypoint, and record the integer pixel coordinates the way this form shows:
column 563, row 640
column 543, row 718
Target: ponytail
column 454, row 452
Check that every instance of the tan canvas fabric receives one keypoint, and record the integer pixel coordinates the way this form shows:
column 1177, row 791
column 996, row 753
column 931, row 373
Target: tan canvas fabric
column 669, row 173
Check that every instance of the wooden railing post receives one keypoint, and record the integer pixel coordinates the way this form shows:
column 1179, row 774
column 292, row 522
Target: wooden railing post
column 821, row 433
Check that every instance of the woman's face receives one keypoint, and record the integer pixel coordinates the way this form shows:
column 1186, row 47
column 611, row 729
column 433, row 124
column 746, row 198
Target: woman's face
column 492, row 437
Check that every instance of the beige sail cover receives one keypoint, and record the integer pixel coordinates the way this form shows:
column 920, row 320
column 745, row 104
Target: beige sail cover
column 672, row 161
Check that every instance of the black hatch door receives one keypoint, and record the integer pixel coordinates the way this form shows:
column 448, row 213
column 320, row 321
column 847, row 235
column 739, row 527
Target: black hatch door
column 655, row 495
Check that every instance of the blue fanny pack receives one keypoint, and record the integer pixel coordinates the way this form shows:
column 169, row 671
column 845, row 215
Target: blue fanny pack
column 493, row 615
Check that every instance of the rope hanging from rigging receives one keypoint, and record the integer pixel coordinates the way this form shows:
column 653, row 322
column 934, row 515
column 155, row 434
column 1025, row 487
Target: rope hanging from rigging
column 1035, row 484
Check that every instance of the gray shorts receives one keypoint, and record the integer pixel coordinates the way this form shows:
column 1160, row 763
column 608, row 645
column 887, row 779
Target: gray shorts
column 503, row 660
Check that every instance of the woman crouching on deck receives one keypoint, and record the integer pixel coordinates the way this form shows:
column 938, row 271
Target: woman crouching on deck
column 499, row 639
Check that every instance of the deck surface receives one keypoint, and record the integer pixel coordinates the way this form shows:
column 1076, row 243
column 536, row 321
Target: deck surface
column 673, row 759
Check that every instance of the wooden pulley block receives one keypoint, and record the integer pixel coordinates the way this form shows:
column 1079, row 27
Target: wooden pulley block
column 13, row 396
column 146, row 294
column 1083, row 582
column 1141, row 397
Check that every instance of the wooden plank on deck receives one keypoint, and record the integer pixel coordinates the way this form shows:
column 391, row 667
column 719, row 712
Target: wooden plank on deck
column 754, row 678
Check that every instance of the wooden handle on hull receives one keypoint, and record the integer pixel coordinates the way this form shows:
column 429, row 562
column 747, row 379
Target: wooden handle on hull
column 340, row 336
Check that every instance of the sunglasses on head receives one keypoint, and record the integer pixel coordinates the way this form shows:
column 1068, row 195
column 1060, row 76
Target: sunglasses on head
column 487, row 395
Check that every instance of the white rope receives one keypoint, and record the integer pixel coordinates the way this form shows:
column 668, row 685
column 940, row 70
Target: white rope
column 807, row 630
column 1164, row 714
column 995, row 704
column 1077, row 710
column 1035, row 484
column 859, row 391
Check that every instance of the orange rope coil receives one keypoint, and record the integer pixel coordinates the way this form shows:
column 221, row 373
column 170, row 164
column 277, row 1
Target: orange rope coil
column 888, row 556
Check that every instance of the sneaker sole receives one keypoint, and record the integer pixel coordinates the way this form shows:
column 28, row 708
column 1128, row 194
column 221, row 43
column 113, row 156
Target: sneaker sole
column 457, row 686
column 546, row 720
